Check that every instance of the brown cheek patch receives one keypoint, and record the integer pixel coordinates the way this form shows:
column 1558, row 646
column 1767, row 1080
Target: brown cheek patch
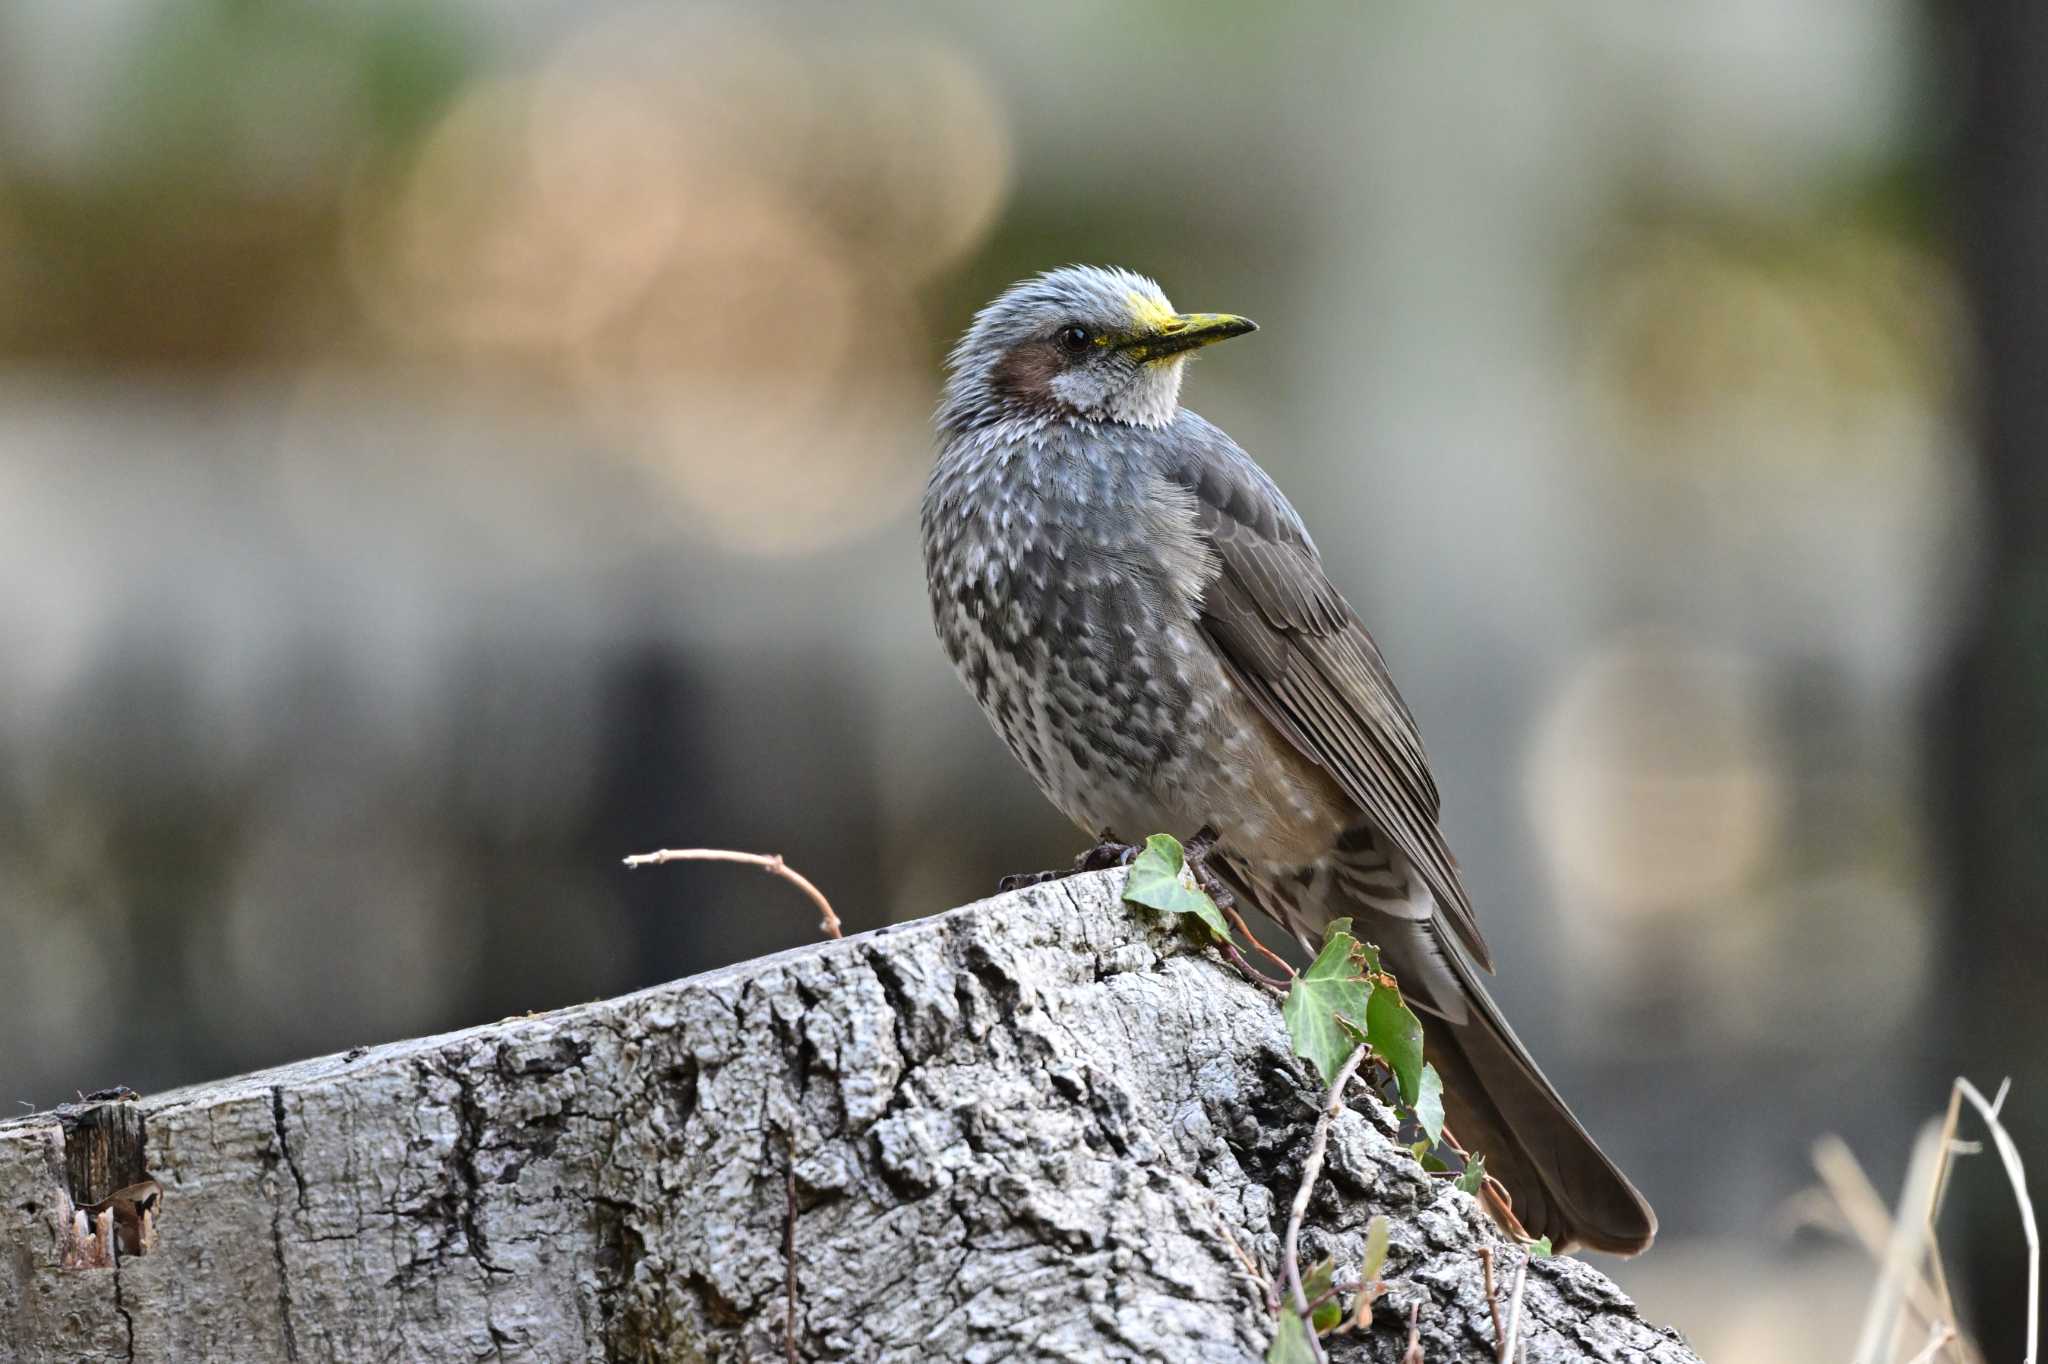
column 1027, row 372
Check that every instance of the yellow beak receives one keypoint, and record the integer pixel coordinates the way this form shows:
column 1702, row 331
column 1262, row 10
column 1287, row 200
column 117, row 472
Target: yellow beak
column 1186, row 331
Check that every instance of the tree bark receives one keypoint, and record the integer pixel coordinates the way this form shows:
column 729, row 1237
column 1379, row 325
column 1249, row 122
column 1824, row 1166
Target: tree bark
column 1027, row 1129
column 1988, row 743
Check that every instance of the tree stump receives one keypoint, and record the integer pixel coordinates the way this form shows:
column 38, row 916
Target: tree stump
column 1044, row 1126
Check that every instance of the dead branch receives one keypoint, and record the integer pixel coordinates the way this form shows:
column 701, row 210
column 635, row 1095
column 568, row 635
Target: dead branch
column 768, row 862
column 1333, row 1103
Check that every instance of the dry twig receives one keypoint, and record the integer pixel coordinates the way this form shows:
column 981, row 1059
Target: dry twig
column 1492, row 1299
column 2015, row 1173
column 1866, row 1216
column 1506, row 1352
column 1237, row 922
column 771, row 863
column 1950, row 1148
column 1319, row 1145
column 1252, row 973
column 1906, row 1244
column 1938, row 1335
column 1248, row 1267
column 1899, row 1262
column 1361, row 1308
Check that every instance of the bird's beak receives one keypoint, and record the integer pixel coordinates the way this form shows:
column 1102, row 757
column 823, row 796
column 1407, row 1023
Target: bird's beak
column 1186, row 331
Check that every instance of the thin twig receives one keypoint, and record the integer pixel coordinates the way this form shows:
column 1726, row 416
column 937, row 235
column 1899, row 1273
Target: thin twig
column 1413, row 1354
column 1237, row 922
column 1335, row 1290
column 1869, row 1221
column 1507, row 1346
column 1369, row 1292
column 1938, row 1335
column 2015, row 1173
column 1492, row 1299
column 1250, row 1269
column 768, row 862
column 1253, row 1275
column 1899, row 1266
column 1333, row 1102
column 1903, row 1248
column 1361, row 1308
column 1500, row 1206
column 1950, row 1148
column 1251, row 972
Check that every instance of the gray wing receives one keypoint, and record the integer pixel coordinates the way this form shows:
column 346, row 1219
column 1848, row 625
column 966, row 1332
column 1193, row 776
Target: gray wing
column 1295, row 645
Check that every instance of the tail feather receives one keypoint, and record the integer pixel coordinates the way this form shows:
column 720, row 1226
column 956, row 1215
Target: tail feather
column 1496, row 1099
column 1498, row 1103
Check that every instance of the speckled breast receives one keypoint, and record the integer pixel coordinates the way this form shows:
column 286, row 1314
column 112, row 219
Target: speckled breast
column 1062, row 619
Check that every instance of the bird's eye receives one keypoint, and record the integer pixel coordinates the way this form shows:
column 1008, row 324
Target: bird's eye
column 1074, row 340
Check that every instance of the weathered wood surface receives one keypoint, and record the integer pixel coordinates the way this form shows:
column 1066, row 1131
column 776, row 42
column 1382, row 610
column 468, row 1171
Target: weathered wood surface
column 1027, row 1129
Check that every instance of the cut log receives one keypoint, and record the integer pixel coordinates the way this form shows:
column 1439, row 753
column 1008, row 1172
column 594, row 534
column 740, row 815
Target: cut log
column 1045, row 1126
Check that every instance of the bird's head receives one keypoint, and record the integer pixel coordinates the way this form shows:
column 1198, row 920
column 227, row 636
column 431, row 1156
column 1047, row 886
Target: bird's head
column 1083, row 341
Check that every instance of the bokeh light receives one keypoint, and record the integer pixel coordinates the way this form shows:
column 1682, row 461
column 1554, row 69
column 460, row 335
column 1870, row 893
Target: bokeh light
column 1654, row 782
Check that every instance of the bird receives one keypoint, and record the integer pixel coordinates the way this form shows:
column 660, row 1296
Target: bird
column 1148, row 626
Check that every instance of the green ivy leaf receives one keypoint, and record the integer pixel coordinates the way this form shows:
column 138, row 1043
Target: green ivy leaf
column 1159, row 880
column 1473, row 1175
column 1539, row 1249
column 1375, row 1250
column 1292, row 1343
column 1319, row 1278
column 1429, row 1104
column 1432, row 1163
column 1396, row 1035
column 1314, row 1284
column 1325, row 1002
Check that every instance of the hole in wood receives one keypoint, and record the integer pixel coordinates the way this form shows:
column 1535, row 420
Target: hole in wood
column 114, row 1201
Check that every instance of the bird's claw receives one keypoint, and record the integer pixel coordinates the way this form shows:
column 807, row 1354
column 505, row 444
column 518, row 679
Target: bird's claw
column 1196, row 852
column 1107, row 853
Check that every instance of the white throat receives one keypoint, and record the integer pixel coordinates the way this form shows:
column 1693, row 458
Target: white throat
column 1150, row 397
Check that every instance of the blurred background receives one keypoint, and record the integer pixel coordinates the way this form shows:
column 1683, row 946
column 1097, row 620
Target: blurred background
column 446, row 446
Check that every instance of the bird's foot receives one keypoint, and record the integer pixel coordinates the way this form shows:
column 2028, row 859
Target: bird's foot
column 1105, row 854
column 1196, row 850
column 111, row 1094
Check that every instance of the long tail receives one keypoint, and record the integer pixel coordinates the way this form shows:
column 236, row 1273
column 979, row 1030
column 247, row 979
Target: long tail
column 1498, row 1103
column 1496, row 1100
